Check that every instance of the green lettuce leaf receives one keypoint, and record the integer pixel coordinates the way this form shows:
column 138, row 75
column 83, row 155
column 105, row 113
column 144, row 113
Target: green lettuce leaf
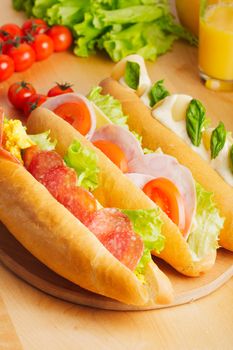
column 109, row 106
column 132, row 74
column 147, row 224
column 40, row 7
column 43, row 141
column 85, row 162
column 203, row 238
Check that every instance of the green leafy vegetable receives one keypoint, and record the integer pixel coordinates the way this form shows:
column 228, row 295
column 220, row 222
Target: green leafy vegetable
column 43, row 141
column 218, row 139
column 203, row 238
column 85, row 162
column 147, row 224
column 121, row 27
column 231, row 158
column 132, row 74
column 110, row 106
column 158, row 92
column 195, row 120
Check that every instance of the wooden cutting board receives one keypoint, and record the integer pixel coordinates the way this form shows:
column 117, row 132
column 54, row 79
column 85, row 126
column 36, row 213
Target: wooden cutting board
column 14, row 256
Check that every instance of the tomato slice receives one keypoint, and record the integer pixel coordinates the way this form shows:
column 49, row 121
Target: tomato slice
column 28, row 154
column 167, row 196
column 114, row 153
column 75, row 113
column 1, row 125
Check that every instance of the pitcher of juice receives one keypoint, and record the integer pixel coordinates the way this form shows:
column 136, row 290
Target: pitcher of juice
column 216, row 44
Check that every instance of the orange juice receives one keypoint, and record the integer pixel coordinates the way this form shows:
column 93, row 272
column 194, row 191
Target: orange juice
column 216, row 42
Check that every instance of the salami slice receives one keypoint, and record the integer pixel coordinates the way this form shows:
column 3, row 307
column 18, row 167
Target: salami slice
column 79, row 202
column 115, row 232
column 121, row 137
column 58, row 180
column 53, row 102
column 42, row 162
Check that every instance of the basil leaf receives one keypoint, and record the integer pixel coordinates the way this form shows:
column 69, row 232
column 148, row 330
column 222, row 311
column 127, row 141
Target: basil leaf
column 132, row 74
column 218, row 139
column 231, row 158
column 195, row 121
column 158, row 92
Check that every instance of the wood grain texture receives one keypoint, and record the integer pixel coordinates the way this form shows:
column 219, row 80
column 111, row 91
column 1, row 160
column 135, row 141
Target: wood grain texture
column 8, row 338
column 44, row 322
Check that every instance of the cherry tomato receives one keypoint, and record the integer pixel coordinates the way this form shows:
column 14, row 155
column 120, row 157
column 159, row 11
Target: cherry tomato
column 75, row 113
column 60, row 89
column 7, row 67
column 23, row 56
column 19, row 92
column 34, row 26
column 114, row 153
column 43, row 46
column 61, row 36
column 10, row 31
column 164, row 193
column 32, row 103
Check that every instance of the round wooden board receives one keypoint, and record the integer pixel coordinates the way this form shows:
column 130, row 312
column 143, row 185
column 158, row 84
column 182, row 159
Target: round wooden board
column 15, row 257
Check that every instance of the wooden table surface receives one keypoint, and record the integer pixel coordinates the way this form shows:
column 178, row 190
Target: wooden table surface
column 37, row 321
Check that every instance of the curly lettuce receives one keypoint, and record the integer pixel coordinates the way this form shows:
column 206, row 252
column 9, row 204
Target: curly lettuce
column 147, row 224
column 110, row 106
column 207, row 223
column 44, row 141
column 85, row 162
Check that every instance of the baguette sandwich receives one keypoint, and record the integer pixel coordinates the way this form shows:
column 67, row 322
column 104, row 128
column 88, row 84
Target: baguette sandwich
column 191, row 220
column 58, row 217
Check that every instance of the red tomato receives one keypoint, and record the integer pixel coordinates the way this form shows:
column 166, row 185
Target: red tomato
column 19, row 92
column 28, row 154
column 34, row 26
column 32, row 103
column 43, row 46
column 7, row 67
column 10, row 31
column 114, row 153
column 164, row 193
column 75, row 113
column 60, row 89
column 61, row 36
column 23, row 56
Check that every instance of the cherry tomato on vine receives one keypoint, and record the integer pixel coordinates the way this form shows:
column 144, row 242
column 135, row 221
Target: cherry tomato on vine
column 7, row 67
column 43, row 46
column 61, row 36
column 10, row 31
column 19, row 92
column 23, row 56
column 34, row 26
column 60, row 89
column 32, row 103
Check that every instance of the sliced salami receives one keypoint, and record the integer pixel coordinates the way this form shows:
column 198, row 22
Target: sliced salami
column 59, row 180
column 53, row 102
column 115, row 232
column 42, row 162
column 123, row 138
column 158, row 165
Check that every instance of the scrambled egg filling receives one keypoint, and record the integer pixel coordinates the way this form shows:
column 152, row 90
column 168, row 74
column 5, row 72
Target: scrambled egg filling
column 15, row 137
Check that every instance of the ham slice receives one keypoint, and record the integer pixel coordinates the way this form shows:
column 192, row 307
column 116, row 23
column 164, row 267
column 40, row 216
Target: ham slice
column 124, row 139
column 53, row 102
column 157, row 165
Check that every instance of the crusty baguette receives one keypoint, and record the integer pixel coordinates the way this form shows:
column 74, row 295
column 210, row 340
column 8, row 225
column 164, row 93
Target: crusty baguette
column 54, row 236
column 117, row 190
column 156, row 135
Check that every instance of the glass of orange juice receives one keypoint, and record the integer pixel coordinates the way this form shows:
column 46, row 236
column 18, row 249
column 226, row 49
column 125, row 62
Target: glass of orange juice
column 216, row 44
